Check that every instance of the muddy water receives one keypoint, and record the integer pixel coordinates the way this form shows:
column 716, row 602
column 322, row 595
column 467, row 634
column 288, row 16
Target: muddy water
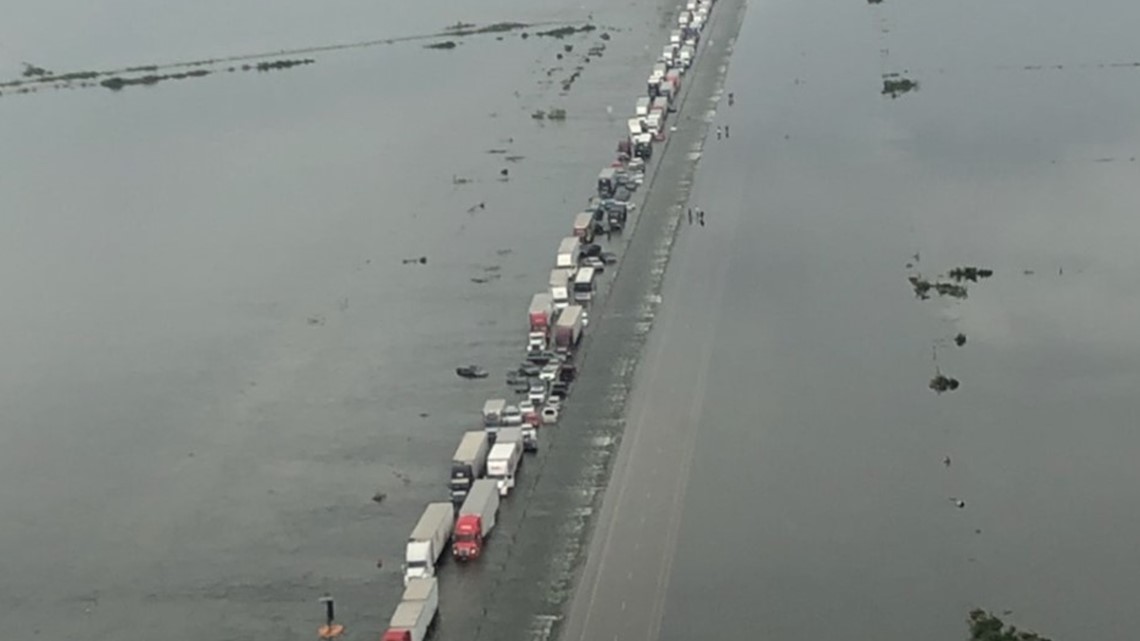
column 214, row 353
column 831, row 489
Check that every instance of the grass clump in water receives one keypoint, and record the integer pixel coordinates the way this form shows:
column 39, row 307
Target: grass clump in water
column 895, row 86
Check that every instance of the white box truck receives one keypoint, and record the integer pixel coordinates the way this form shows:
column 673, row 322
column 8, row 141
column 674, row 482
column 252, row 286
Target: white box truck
column 560, row 287
column 502, row 464
column 526, row 436
column 428, row 541
column 568, row 253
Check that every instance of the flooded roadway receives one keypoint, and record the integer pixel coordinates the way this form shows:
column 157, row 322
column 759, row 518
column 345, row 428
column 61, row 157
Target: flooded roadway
column 830, row 489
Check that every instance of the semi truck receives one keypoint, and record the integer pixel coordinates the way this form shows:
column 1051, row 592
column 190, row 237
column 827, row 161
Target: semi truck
column 412, row 620
column 541, row 312
column 568, row 329
column 568, row 251
column 584, row 284
column 584, row 227
column 476, row 520
column 468, row 464
column 428, row 541
column 560, row 287
column 502, row 464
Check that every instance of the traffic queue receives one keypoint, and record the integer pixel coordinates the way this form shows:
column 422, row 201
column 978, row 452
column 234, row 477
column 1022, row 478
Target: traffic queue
column 486, row 462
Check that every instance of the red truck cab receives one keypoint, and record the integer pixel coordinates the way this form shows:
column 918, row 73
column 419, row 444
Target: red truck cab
column 468, row 538
column 397, row 635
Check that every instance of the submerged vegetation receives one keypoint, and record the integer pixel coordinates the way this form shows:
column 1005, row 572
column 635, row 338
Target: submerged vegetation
column 562, row 32
column 987, row 627
column 895, row 85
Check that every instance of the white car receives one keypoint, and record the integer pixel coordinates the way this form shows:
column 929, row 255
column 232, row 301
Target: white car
column 549, row 415
column 537, row 393
column 548, row 373
column 526, row 407
column 683, row 19
column 512, row 416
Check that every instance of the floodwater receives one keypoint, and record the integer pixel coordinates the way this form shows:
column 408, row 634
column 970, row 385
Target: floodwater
column 214, row 354
column 820, row 502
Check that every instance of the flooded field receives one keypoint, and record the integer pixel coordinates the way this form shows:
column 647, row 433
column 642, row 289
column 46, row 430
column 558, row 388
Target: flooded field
column 235, row 303
column 936, row 289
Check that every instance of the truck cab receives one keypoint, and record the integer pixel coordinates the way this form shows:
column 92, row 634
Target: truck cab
column 467, row 542
column 536, row 342
column 606, row 182
column 643, row 146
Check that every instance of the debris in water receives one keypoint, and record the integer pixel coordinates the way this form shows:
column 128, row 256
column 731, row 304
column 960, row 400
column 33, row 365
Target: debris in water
column 539, row 115
column 960, row 339
column 316, row 320
column 895, row 86
column 605, row 36
column 503, row 252
column 946, row 461
column 496, row 151
column 472, row 208
column 446, row 44
column 942, row 383
column 504, row 172
column 422, row 260
column 379, row 497
column 1028, row 272
column 424, row 415
column 556, row 114
column 971, row 274
column 958, row 503
column 513, row 158
column 460, row 180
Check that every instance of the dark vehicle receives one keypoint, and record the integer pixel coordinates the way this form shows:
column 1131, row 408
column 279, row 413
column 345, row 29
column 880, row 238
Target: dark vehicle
column 591, row 250
column 529, row 370
column 607, row 182
column 609, row 258
column 540, row 358
column 567, row 373
column 560, row 390
column 472, row 371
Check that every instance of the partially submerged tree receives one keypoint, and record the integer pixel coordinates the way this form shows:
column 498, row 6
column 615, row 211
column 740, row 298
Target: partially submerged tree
column 987, row 627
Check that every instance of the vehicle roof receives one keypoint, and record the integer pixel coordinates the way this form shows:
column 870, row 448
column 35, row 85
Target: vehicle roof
column 585, row 275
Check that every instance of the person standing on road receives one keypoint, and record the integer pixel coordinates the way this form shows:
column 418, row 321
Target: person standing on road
column 690, row 215
column 731, row 99
column 718, row 132
column 726, row 132
column 701, row 216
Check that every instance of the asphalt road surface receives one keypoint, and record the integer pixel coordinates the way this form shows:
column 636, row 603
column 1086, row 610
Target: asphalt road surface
column 622, row 589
